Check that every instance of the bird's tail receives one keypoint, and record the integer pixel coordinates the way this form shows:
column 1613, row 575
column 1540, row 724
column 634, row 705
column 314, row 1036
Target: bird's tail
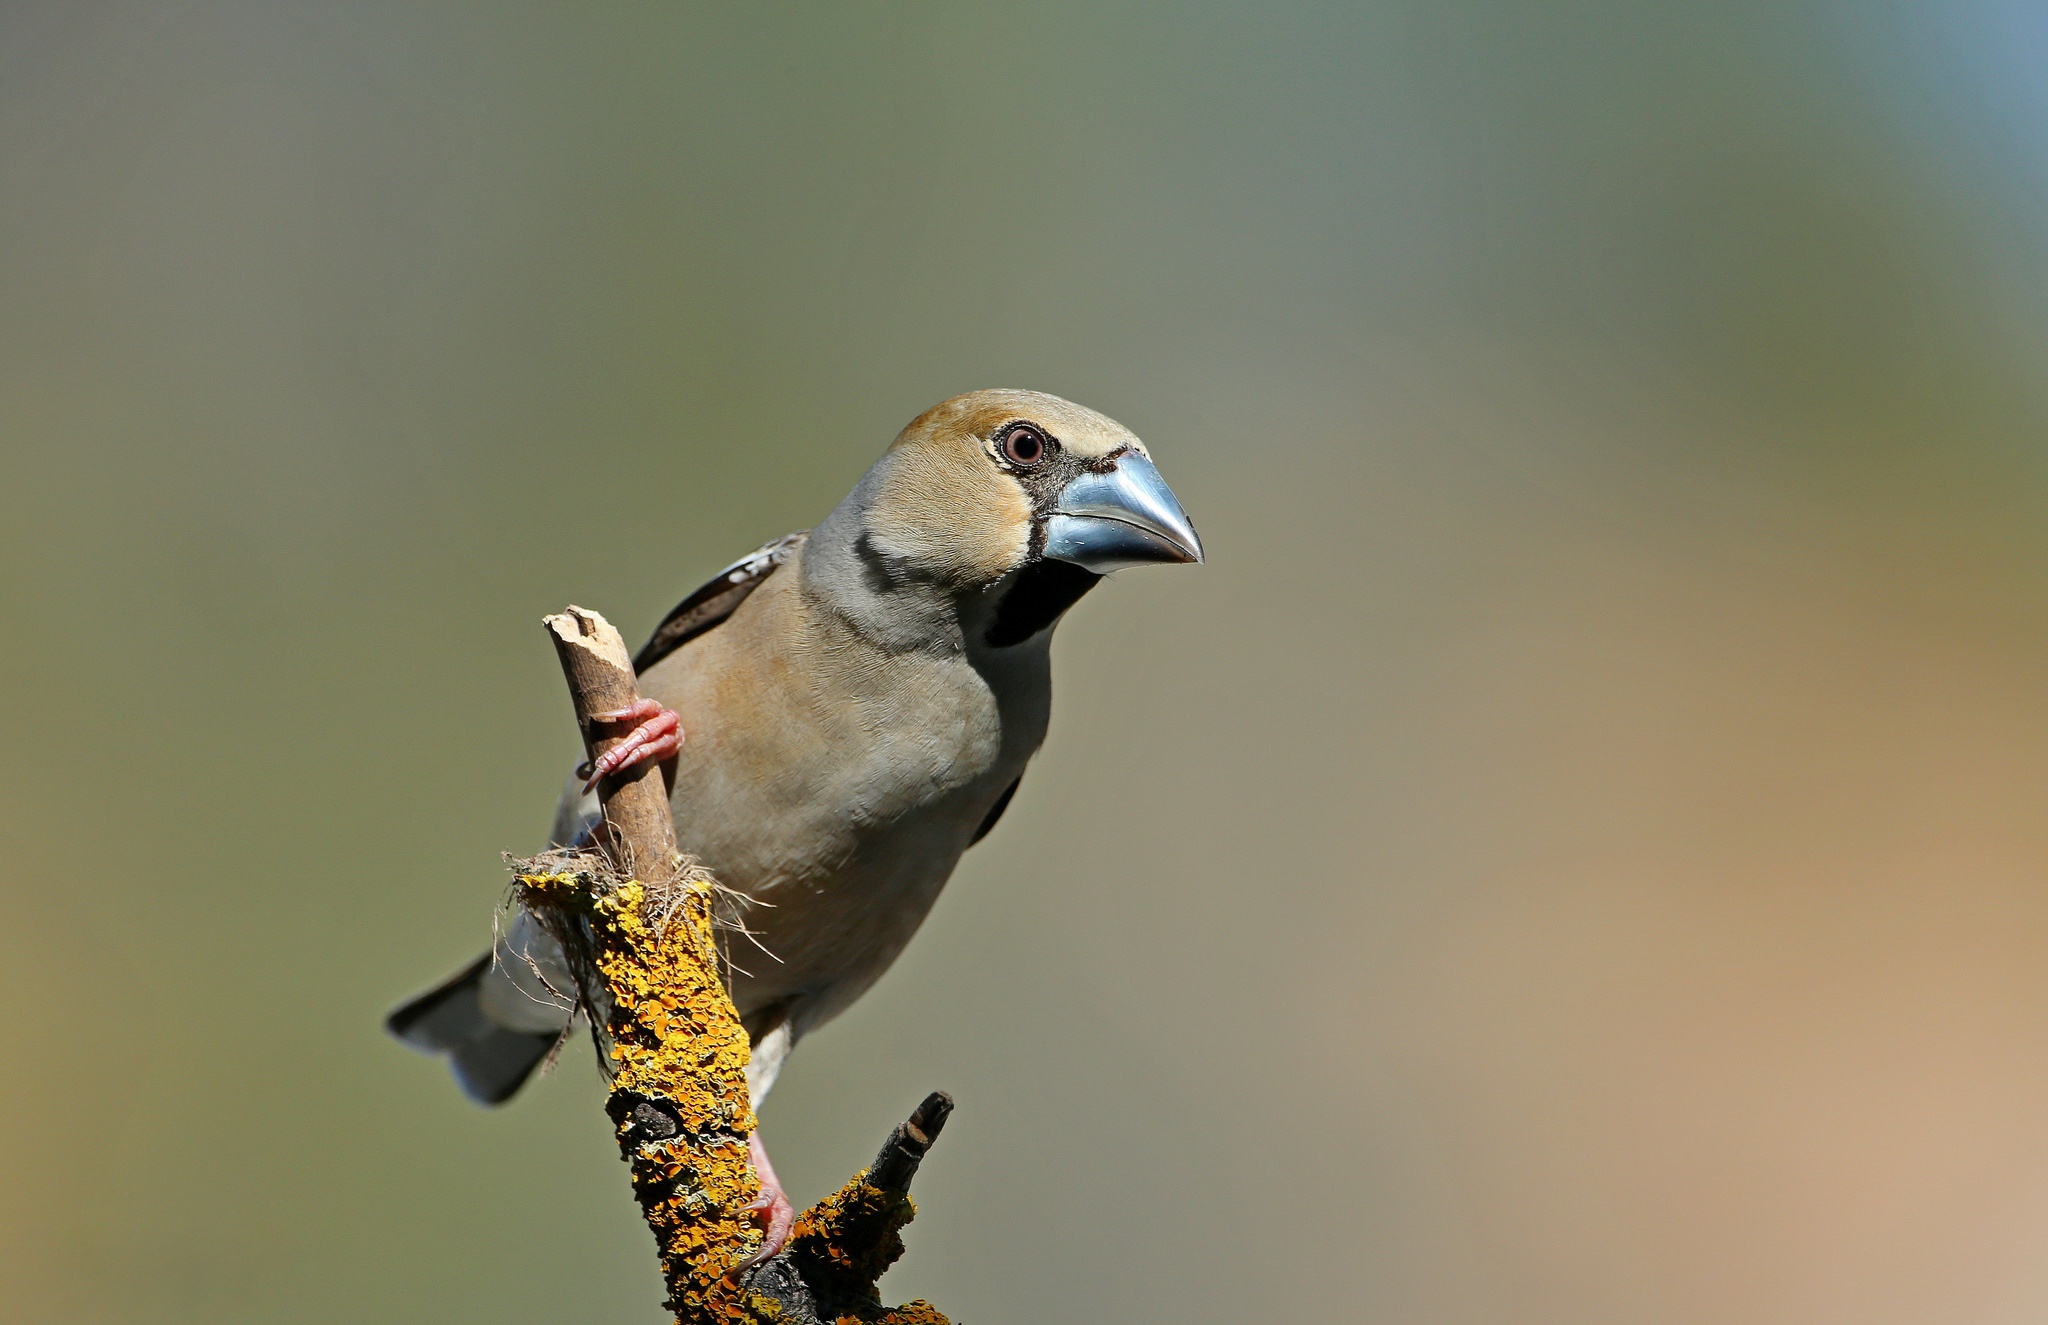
column 490, row 1061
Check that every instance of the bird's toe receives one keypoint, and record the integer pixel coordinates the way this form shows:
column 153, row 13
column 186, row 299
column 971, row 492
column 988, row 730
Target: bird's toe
column 657, row 734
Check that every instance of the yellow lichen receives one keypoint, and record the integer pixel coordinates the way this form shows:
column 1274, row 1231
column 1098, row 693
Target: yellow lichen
column 678, row 1057
column 678, row 1086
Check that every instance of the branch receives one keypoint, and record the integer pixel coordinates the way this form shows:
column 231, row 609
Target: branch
column 600, row 676
column 644, row 944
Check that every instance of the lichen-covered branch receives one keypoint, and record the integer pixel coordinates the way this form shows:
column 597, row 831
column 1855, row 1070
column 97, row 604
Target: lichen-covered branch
column 636, row 920
column 842, row 1244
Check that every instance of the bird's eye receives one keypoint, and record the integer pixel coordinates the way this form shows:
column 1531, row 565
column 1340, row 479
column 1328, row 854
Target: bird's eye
column 1023, row 444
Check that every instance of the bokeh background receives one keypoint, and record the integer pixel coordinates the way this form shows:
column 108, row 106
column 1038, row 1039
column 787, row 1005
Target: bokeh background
column 1575, row 854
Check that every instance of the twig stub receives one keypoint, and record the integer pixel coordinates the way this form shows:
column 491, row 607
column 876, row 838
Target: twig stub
column 642, row 836
column 905, row 1149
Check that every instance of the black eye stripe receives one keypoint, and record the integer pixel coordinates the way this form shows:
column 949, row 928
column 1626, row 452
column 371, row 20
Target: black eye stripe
column 1102, row 464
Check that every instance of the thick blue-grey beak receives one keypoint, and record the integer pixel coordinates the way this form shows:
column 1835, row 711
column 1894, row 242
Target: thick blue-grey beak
column 1125, row 516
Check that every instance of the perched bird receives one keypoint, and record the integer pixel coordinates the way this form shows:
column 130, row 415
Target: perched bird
column 860, row 702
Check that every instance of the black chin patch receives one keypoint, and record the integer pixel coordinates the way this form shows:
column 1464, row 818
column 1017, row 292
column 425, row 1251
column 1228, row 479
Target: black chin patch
column 995, row 812
column 1035, row 600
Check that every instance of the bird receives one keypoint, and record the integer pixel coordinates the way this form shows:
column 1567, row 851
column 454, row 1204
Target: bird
column 840, row 715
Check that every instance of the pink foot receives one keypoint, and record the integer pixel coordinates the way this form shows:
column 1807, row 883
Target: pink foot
column 777, row 1215
column 656, row 735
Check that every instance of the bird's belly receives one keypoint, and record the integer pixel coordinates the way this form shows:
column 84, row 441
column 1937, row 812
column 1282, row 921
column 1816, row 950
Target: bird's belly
column 836, row 786
column 826, row 901
column 822, row 942
column 841, row 827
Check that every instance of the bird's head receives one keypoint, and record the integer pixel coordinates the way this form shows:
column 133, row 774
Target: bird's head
column 984, row 484
column 1018, row 498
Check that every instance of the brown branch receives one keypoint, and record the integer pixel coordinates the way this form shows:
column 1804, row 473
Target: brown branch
column 600, row 676
column 648, row 963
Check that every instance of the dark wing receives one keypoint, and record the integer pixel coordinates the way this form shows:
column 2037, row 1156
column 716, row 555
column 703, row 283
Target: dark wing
column 717, row 600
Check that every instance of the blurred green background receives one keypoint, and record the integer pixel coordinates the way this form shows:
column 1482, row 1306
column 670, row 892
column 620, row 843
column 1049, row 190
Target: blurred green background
column 1575, row 854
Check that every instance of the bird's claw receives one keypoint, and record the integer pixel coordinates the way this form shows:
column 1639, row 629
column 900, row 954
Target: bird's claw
column 777, row 1216
column 657, row 734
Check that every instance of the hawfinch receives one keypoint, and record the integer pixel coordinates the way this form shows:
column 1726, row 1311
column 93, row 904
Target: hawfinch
column 861, row 701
